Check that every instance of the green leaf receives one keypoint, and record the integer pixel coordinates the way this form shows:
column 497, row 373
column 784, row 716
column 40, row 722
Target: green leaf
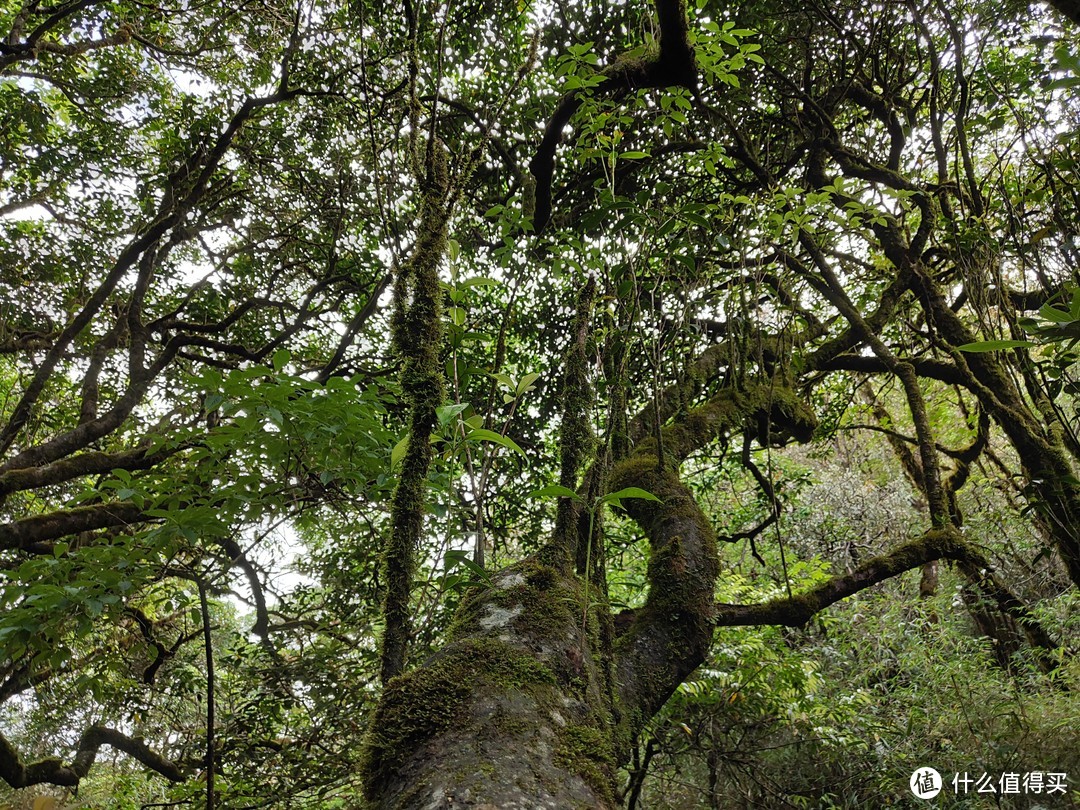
column 995, row 345
column 448, row 412
column 629, row 492
column 281, row 357
column 555, row 491
column 461, row 559
column 480, row 281
column 483, row 435
column 1064, row 83
column 398, row 453
column 526, row 383
column 1048, row 313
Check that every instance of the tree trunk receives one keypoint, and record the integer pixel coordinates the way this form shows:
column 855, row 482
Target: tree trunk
column 515, row 712
column 535, row 701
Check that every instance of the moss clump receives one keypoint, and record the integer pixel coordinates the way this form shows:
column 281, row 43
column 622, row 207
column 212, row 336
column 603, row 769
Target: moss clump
column 542, row 577
column 421, row 704
column 782, row 415
column 540, row 592
column 642, row 470
column 587, row 751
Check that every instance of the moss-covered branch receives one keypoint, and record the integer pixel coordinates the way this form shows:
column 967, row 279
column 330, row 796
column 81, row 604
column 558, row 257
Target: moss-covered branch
column 417, row 330
column 705, row 369
column 670, row 635
column 34, row 533
column 575, row 432
column 798, row 610
column 53, row 771
column 937, row 544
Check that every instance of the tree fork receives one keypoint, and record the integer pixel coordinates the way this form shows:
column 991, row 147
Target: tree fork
column 1012, row 616
column 527, row 687
column 1043, row 459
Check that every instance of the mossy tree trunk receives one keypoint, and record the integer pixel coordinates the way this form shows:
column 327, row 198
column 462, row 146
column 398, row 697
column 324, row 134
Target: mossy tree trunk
column 535, row 700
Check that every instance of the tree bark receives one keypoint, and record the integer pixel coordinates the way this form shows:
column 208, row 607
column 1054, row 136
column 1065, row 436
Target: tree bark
column 515, row 712
column 535, row 702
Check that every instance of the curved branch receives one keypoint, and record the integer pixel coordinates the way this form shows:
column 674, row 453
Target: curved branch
column 936, row 544
column 797, row 610
column 669, row 637
column 53, row 771
column 30, row 533
column 674, row 66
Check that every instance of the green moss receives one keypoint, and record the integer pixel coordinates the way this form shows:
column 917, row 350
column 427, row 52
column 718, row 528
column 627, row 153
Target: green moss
column 542, row 577
column 777, row 412
column 587, row 751
column 419, row 705
column 416, row 327
column 575, row 431
column 676, row 502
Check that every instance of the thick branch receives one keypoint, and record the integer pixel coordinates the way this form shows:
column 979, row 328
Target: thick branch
column 33, row 531
column 670, row 636
column 798, row 610
column 53, row 771
column 93, row 463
